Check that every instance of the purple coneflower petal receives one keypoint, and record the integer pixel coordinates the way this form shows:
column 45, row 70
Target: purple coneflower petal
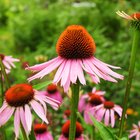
column 3, row 106
column 118, row 111
column 106, row 120
column 23, row 121
column 28, row 117
column 42, row 102
column 46, row 70
column 40, row 67
column 66, row 72
column 73, row 71
column 138, row 136
column 17, row 122
column 112, row 117
column 80, row 73
column 133, row 134
column 39, row 110
column 59, row 72
column 6, row 114
column 99, row 114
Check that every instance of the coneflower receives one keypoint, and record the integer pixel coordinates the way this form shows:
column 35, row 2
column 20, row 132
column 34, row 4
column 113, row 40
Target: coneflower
column 19, row 99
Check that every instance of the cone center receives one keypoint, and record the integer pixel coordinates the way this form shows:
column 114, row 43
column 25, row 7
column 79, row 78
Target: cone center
column 75, row 42
column 95, row 99
column 108, row 104
column 65, row 129
column 19, row 95
column 40, row 128
column 52, row 88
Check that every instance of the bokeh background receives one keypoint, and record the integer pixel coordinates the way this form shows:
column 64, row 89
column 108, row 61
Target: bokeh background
column 29, row 30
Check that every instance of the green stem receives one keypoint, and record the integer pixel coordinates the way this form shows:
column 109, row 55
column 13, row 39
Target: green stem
column 93, row 133
column 23, row 133
column 135, row 45
column 74, row 108
column 4, row 74
column 32, row 135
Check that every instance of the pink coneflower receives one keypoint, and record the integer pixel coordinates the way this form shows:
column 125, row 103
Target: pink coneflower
column 135, row 132
column 41, row 132
column 65, row 131
column 18, row 101
column 91, row 99
column 75, row 49
column 106, row 111
column 135, row 16
column 52, row 92
column 8, row 62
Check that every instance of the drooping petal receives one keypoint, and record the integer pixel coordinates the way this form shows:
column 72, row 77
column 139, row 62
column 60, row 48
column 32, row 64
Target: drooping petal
column 23, row 121
column 39, row 110
column 133, row 134
column 37, row 97
column 46, row 70
column 39, row 67
column 28, row 117
column 59, row 73
column 138, row 136
column 100, row 113
column 112, row 117
column 66, row 72
column 6, row 114
column 17, row 122
column 3, row 106
column 80, row 73
column 106, row 119
column 73, row 71
column 102, row 67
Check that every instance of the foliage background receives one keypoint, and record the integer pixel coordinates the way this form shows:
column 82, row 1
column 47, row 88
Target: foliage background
column 29, row 31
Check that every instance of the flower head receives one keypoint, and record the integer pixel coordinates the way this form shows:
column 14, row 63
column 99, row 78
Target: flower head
column 52, row 92
column 91, row 99
column 8, row 62
column 134, row 18
column 135, row 132
column 65, row 131
column 106, row 111
column 19, row 99
column 75, row 48
column 41, row 132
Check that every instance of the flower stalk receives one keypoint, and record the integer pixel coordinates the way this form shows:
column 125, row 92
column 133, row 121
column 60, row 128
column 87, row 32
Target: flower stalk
column 136, row 39
column 74, row 108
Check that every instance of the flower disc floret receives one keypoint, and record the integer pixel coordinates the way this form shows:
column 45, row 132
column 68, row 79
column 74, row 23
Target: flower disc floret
column 19, row 95
column 75, row 42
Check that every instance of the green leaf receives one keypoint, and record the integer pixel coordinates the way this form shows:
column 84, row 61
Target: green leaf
column 42, row 85
column 105, row 133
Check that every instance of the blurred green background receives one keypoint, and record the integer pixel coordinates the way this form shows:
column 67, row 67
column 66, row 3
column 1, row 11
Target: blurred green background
column 29, row 30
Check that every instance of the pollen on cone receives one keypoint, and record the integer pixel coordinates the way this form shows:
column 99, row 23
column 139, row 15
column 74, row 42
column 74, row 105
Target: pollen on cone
column 75, row 42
